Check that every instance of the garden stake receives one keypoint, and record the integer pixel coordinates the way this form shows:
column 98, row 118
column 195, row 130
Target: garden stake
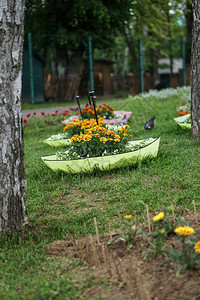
column 116, row 267
column 135, row 218
column 91, row 94
column 119, row 218
column 86, row 238
column 108, row 261
column 80, row 244
column 184, row 211
column 89, row 100
column 97, row 234
column 96, row 259
column 148, row 219
column 161, row 205
column 130, row 275
column 94, row 105
column 110, row 232
column 195, row 212
column 73, row 243
column 77, row 99
column 124, row 281
column 73, row 232
column 174, row 219
column 105, row 258
column 143, row 290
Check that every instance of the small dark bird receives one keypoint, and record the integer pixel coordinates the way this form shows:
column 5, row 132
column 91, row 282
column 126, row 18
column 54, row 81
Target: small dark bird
column 149, row 124
column 124, row 121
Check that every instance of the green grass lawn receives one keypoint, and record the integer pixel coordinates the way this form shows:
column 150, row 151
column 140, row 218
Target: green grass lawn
column 57, row 201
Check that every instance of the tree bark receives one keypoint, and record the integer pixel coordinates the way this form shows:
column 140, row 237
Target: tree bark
column 195, row 71
column 13, row 214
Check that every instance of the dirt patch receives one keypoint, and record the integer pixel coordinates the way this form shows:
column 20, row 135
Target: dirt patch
column 132, row 274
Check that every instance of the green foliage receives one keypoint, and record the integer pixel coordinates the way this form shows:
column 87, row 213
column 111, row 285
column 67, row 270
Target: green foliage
column 129, row 232
column 98, row 140
column 185, row 256
column 68, row 23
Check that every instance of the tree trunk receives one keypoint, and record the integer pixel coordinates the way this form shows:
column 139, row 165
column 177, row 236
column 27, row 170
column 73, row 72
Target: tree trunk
column 13, row 215
column 132, row 50
column 189, row 21
column 195, row 71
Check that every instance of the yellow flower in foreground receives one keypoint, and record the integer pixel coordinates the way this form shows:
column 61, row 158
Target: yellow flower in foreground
column 184, row 230
column 128, row 217
column 159, row 217
column 162, row 231
column 197, row 247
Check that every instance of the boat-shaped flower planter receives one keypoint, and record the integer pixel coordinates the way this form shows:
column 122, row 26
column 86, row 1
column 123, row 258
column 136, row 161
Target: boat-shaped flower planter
column 88, row 165
column 180, row 121
column 57, row 140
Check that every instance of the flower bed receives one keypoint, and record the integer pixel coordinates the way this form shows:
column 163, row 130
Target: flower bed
column 118, row 116
column 184, row 109
column 105, row 111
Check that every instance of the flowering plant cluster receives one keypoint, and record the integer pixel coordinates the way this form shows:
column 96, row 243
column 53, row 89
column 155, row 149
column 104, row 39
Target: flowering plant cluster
column 184, row 108
column 162, row 227
column 76, row 126
column 61, row 112
column 98, row 140
column 188, row 254
column 105, row 111
column 129, row 231
column 188, row 120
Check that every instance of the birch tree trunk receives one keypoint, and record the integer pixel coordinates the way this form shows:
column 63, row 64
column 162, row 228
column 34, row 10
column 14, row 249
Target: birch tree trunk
column 195, row 71
column 13, row 215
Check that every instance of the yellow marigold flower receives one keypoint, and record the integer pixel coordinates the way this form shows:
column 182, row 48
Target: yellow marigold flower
column 103, row 139
column 128, row 217
column 117, row 140
column 159, row 217
column 197, row 247
column 87, row 138
column 117, row 136
column 184, row 230
column 109, row 132
column 162, row 231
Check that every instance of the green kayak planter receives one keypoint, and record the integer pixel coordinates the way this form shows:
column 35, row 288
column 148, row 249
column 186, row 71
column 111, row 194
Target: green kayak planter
column 57, row 140
column 181, row 121
column 88, row 165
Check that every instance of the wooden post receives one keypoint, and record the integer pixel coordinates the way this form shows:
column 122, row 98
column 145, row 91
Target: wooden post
column 97, row 233
column 195, row 212
column 148, row 219
column 174, row 219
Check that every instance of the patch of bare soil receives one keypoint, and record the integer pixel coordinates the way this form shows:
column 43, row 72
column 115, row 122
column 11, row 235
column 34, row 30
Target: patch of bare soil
column 133, row 276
